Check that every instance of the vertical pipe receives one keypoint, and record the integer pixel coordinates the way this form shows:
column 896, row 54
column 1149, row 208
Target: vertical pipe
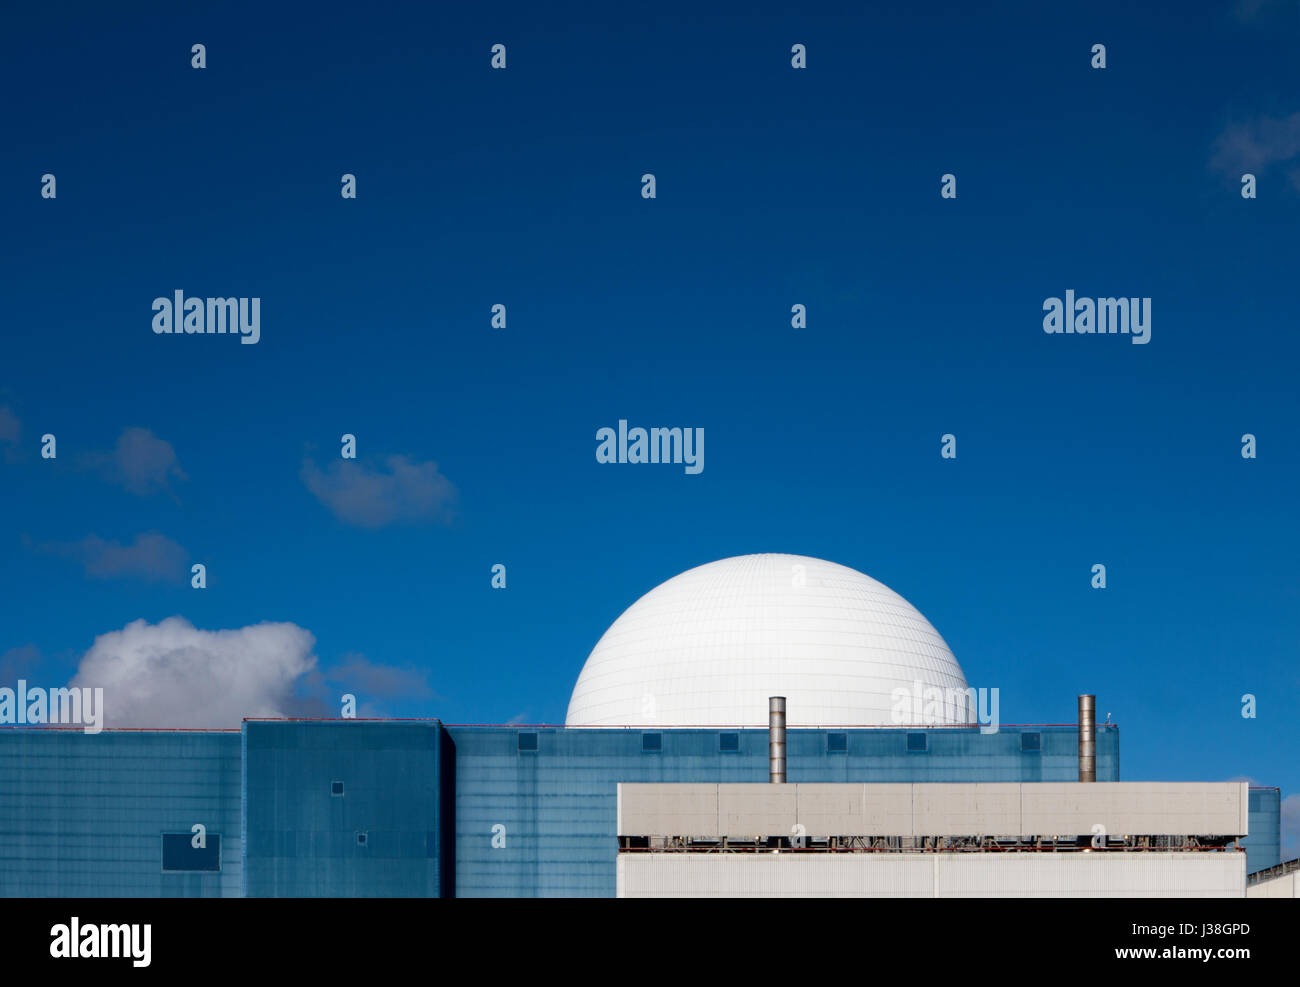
column 776, row 740
column 1087, row 738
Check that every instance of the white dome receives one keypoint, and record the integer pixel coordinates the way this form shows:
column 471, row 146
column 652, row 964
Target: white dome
column 709, row 647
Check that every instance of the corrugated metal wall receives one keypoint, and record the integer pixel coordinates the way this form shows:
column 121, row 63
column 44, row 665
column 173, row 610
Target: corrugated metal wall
column 932, row 875
column 305, row 840
column 1286, row 886
column 1264, row 846
column 83, row 815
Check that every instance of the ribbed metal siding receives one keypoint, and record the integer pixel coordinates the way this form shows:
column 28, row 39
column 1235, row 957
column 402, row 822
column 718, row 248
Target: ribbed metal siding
column 82, row 815
column 301, row 841
column 1264, row 845
column 1025, row 875
column 1286, row 886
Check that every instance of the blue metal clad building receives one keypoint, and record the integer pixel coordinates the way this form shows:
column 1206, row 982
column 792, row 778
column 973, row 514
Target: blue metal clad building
column 361, row 808
column 1264, row 846
column 343, row 809
column 554, row 790
column 85, row 816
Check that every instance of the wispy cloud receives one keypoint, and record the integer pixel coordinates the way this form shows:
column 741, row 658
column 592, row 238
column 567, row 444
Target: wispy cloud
column 11, row 430
column 17, row 662
column 1249, row 10
column 151, row 556
column 141, row 463
column 357, row 674
column 1257, row 145
column 406, row 492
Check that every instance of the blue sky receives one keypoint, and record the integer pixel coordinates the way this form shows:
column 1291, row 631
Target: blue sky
column 775, row 186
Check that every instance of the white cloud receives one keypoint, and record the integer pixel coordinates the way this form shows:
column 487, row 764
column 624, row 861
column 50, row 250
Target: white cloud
column 172, row 674
column 408, row 492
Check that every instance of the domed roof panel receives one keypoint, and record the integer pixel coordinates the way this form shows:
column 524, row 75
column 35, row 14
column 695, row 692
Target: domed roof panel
column 710, row 646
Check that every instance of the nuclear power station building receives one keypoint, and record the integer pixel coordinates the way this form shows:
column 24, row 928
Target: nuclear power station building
column 761, row 725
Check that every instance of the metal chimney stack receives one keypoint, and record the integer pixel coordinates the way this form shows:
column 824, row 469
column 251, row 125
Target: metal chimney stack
column 1087, row 738
column 776, row 740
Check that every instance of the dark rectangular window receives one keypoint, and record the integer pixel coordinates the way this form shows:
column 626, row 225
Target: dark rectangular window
column 528, row 741
column 728, row 742
column 917, row 742
column 336, row 788
column 1031, row 741
column 652, row 742
column 180, row 854
column 837, row 743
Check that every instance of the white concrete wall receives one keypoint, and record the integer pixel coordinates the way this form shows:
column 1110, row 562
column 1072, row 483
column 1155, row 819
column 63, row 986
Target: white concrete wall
column 934, row 809
column 978, row 809
column 932, row 875
column 756, row 809
column 692, row 805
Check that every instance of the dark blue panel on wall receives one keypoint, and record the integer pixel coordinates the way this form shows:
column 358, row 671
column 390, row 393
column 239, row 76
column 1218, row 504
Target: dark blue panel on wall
column 343, row 809
column 180, row 854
